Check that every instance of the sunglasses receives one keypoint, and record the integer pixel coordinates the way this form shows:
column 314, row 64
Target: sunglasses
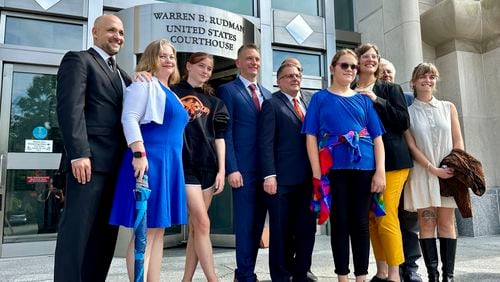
column 345, row 66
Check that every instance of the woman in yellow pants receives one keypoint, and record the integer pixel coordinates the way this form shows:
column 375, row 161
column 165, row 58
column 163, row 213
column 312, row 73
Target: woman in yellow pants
column 389, row 102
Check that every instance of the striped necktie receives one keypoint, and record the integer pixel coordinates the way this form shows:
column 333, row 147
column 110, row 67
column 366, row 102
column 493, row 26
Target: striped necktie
column 255, row 99
column 298, row 109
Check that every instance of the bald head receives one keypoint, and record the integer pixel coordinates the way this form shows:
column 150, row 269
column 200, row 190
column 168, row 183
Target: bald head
column 292, row 61
column 388, row 72
column 108, row 34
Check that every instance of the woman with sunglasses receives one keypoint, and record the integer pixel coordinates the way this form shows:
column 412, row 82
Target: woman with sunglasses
column 203, row 158
column 389, row 102
column 342, row 126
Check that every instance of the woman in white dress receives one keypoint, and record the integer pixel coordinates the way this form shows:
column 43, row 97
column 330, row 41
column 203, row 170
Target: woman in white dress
column 434, row 132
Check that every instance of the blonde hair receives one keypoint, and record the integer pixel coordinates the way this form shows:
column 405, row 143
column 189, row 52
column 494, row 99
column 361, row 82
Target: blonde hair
column 247, row 46
column 150, row 59
column 422, row 69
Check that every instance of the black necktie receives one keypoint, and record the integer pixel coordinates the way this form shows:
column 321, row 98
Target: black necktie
column 112, row 64
column 115, row 76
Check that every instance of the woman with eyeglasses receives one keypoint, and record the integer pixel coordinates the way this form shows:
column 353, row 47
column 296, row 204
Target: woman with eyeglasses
column 346, row 152
column 434, row 132
column 389, row 102
column 203, row 158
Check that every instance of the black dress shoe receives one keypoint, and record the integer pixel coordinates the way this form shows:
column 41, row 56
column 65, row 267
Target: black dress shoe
column 236, row 279
column 378, row 279
column 411, row 276
column 311, row 277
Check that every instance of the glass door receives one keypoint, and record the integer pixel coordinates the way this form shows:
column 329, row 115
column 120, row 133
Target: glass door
column 30, row 151
column 221, row 209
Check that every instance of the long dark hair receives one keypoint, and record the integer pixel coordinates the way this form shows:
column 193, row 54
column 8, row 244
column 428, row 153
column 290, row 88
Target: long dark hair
column 194, row 59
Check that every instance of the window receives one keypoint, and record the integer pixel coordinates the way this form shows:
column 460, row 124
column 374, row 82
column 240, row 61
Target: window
column 244, row 7
column 309, row 7
column 344, row 15
column 311, row 63
column 349, row 45
column 33, row 204
column 42, row 33
column 33, row 106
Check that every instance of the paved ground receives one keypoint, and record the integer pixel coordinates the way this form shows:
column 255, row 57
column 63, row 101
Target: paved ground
column 478, row 259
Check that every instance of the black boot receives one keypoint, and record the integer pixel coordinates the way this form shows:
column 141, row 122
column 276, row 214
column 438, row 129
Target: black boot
column 429, row 252
column 448, row 249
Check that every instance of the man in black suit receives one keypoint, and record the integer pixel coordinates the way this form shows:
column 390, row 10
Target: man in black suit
column 89, row 104
column 287, row 178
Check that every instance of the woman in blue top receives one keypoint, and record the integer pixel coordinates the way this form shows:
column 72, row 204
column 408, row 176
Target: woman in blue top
column 346, row 123
column 153, row 121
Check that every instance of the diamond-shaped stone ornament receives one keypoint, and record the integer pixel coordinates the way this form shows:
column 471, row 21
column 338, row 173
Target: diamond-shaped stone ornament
column 47, row 4
column 299, row 29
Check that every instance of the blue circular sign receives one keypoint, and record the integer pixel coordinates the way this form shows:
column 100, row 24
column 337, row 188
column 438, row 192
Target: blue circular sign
column 40, row 132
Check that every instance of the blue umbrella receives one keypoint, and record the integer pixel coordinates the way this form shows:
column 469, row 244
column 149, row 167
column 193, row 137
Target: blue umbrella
column 141, row 195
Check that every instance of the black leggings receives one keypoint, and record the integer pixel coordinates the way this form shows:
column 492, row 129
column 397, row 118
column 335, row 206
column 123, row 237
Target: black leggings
column 350, row 205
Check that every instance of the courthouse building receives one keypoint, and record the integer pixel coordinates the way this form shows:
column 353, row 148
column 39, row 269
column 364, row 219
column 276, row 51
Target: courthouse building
column 462, row 37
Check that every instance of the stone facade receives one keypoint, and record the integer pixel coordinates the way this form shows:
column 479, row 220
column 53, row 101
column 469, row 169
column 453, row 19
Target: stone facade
column 465, row 39
column 462, row 38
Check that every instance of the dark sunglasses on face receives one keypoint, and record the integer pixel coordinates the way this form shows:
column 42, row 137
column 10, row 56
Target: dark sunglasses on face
column 345, row 66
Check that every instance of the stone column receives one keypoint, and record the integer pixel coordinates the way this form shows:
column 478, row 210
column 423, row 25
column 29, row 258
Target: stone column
column 466, row 40
column 394, row 26
column 266, row 50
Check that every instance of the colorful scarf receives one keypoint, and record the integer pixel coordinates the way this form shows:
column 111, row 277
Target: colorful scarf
column 321, row 197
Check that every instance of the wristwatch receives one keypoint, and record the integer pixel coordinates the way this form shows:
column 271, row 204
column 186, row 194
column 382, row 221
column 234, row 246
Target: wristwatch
column 139, row 155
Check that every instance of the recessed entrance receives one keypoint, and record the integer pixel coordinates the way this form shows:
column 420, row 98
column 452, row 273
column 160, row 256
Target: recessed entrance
column 220, row 211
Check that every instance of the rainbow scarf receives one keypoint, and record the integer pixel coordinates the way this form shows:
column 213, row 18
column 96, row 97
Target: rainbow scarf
column 321, row 197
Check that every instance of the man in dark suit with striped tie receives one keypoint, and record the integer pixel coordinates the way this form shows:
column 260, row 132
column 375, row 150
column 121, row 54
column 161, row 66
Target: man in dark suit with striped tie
column 243, row 98
column 287, row 178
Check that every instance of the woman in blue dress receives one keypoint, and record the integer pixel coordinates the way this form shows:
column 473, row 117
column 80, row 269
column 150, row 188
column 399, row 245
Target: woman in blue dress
column 153, row 121
column 347, row 130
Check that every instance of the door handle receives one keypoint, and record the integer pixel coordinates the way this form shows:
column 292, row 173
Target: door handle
column 1, row 182
column 1, row 171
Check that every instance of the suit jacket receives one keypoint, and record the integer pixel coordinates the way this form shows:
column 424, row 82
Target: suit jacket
column 242, row 129
column 89, row 107
column 282, row 147
column 307, row 95
column 393, row 112
column 409, row 98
